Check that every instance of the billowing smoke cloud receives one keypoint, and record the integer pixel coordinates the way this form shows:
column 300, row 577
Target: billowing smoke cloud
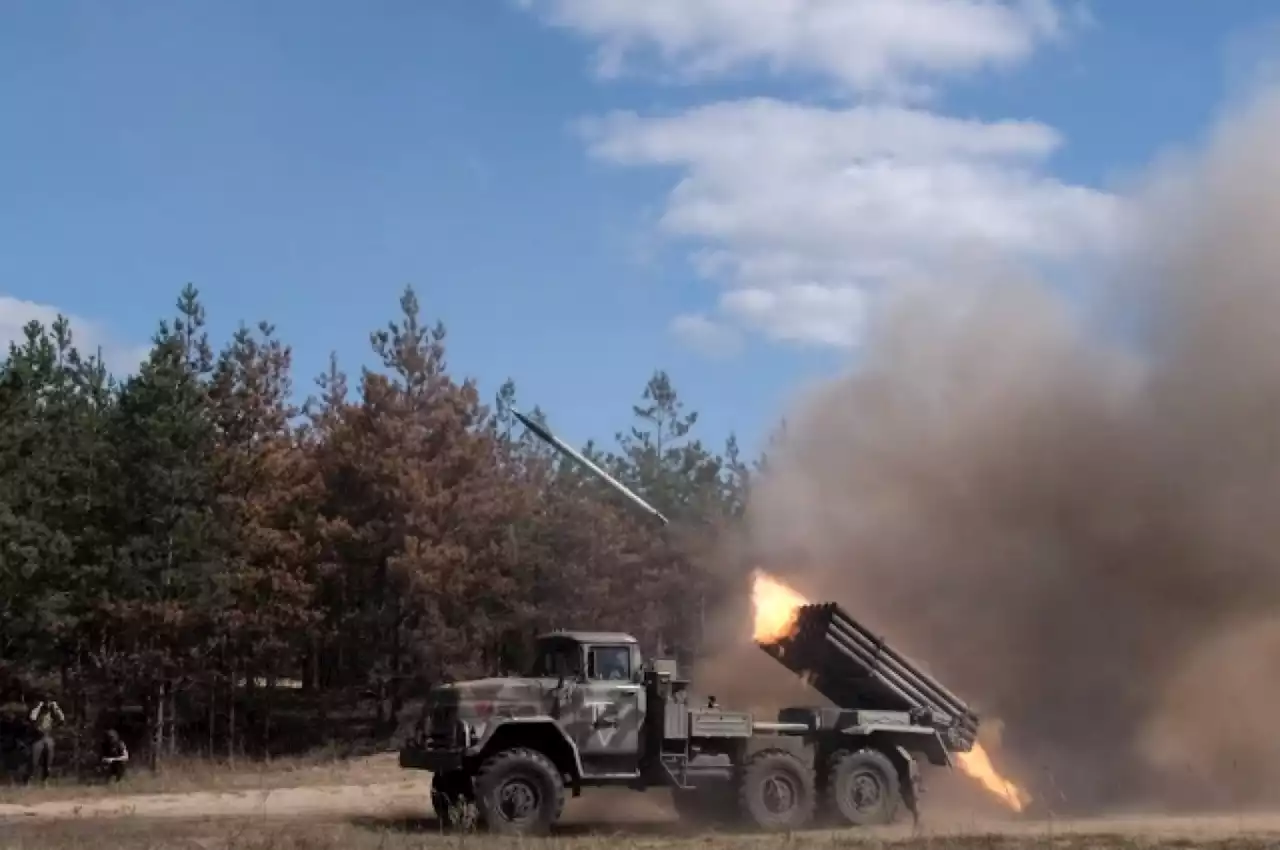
column 1074, row 518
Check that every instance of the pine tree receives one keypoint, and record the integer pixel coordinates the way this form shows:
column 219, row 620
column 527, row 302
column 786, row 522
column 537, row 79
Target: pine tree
column 165, row 584
column 676, row 473
column 268, row 491
column 55, row 472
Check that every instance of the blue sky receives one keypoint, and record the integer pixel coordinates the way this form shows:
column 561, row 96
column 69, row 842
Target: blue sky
column 302, row 162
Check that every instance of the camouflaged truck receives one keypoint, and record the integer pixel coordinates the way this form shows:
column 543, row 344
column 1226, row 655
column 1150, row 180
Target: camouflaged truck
column 591, row 712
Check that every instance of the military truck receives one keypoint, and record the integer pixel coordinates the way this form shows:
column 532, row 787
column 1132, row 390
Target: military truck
column 592, row 712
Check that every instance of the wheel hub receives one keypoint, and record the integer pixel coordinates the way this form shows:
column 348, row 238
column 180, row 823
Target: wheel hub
column 779, row 795
column 865, row 791
column 518, row 801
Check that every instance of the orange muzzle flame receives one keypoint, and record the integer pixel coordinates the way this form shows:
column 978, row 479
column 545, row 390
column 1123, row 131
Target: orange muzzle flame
column 977, row 765
column 776, row 607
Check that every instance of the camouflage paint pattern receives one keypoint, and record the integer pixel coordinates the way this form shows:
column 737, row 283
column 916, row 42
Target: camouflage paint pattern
column 600, row 717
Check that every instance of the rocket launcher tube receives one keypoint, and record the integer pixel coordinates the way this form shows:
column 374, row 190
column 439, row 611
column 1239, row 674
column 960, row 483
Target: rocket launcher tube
column 567, row 450
column 923, row 691
column 902, row 685
column 923, row 687
column 885, row 689
column 878, row 656
column 904, row 689
column 890, row 657
column 855, row 669
column 892, row 690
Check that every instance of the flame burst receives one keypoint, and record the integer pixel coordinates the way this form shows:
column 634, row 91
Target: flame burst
column 776, row 607
column 977, row 765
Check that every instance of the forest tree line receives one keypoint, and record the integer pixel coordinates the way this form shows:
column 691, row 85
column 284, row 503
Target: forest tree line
column 191, row 554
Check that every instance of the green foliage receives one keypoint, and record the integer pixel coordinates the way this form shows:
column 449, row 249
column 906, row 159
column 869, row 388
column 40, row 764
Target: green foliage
column 180, row 538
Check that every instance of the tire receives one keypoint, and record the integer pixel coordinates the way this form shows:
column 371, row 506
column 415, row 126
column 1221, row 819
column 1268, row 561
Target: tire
column 712, row 805
column 862, row 788
column 777, row 792
column 519, row 792
column 453, row 799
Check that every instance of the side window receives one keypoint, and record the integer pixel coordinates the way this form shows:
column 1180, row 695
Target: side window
column 609, row 663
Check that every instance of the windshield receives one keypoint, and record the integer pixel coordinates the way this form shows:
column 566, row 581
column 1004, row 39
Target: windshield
column 556, row 659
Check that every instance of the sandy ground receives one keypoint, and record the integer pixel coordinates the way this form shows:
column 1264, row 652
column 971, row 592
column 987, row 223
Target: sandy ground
column 615, row 811
column 379, row 800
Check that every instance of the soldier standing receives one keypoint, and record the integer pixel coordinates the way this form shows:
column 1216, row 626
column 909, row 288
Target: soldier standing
column 43, row 717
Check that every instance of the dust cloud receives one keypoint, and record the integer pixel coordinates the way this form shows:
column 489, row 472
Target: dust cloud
column 1074, row 515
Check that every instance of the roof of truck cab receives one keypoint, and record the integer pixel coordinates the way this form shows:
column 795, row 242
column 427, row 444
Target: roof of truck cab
column 591, row 637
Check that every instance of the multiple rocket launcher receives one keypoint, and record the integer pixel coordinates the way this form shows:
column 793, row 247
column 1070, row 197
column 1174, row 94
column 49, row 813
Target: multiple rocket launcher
column 841, row 659
column 851, row 666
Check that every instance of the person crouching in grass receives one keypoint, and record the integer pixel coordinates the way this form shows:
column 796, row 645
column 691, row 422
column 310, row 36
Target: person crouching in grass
column 115, row 756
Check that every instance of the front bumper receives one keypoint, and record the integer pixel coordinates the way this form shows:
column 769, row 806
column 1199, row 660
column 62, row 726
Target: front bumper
column 439, row 745
column 415, row 757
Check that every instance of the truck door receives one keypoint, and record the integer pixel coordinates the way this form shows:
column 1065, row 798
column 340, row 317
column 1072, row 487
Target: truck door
column 615, row 709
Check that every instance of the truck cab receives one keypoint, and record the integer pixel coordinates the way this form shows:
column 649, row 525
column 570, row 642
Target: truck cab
column 582, row 703
column 597, row 696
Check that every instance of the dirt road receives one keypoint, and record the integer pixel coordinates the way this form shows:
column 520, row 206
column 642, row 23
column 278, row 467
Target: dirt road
column 401, row 799
column 602, row 811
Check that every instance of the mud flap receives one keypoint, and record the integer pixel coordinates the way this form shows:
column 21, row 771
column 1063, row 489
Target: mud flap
column 911, row 782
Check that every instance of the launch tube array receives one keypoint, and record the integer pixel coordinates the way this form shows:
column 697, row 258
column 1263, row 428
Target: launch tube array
column 854, row 668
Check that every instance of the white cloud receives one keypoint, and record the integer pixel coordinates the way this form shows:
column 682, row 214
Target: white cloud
column 797, row 208
column 801, row 313
column 881, row 46
column 709, row 336
column 87, row 335
column 802, row 211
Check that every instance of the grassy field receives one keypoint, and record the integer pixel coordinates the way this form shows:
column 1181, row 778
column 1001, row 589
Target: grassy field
column 128, row 834
column 319, row 803
column 182, row 776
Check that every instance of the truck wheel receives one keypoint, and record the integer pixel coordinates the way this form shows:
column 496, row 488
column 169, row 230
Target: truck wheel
column 862, row 787
column 519, row 792
column 453, row 799
column 707, row 806
column 777, row 792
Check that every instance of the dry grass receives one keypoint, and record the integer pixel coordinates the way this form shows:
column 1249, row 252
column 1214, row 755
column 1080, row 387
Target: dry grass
column 371, row 803
column 137, row 834
column 180, row 776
